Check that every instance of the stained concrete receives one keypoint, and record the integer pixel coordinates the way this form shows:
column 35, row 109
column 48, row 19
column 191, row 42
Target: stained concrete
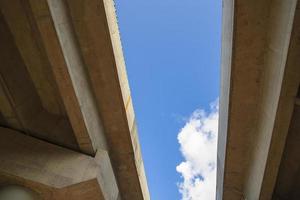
column 288, row 179
column 52, row 171
column 63, row 81
column 260, row 78
column 20, row 103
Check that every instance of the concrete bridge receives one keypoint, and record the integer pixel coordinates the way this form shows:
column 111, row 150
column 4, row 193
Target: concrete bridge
column 67, row 122
column 259, row 127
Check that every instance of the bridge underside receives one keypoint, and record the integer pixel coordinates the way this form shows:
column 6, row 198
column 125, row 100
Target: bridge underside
column 259, row 139
column 67, row 125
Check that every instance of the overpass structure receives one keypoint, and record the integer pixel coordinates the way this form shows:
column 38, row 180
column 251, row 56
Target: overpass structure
column 67, row 125
column 259, row 124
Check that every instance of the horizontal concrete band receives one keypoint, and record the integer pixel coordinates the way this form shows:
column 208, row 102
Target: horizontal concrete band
column 54, row 172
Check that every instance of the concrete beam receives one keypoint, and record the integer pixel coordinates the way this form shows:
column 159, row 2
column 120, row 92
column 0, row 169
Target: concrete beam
column 60, row 45
column 32, row 54
column 20, row 103
column 287, row 28
column 226, row 56
column 258, row 90
column 48, row 36
column 288, row 178
column 242, row 61
column 96, row 28
column 79, row 42
column 54, row 172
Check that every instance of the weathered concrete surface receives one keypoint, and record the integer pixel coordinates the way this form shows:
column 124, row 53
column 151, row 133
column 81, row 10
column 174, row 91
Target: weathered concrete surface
column 54, row 172
column 226, row 55
column 63, row 80
column 259, row 84
column 110, row 85
column 20, row 104
column 283, row 63
column 288, row 180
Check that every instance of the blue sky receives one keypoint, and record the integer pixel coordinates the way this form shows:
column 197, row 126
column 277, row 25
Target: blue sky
column 172, row 54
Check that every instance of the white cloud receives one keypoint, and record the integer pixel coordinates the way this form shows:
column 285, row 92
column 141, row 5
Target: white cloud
column 198, row 145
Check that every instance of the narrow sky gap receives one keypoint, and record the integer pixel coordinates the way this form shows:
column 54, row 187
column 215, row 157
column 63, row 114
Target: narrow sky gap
column 172, row 55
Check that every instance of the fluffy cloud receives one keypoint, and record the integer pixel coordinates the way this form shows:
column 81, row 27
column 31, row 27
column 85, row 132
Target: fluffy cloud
column 198, row 145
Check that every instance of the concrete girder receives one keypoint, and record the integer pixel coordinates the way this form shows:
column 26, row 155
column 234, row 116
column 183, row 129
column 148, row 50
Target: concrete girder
column 260, row 78
column 95, row 26
column 78, row 42
column 20, row 105
column 69, row 71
